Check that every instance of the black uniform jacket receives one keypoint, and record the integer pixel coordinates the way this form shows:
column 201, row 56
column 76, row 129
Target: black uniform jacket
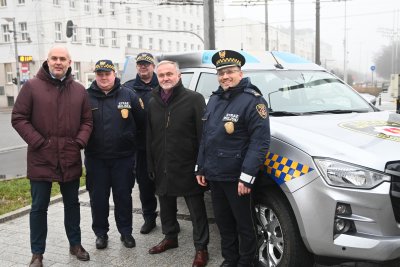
column 173, row 139
column 236, row 133
column 116, row 117
column 143, row 91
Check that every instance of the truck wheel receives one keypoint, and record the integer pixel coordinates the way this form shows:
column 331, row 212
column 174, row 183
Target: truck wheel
column 278, row 237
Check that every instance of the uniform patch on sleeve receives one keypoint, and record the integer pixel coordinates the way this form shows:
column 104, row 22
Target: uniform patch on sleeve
column 262, row 110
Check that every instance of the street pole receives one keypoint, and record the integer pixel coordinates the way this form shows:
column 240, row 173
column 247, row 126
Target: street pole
column 209, row 26
column 317, row 34
column 292, row 49
column 14, row 31
column 266, row 27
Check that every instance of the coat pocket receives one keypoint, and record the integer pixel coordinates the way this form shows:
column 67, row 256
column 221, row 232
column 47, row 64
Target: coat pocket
column 229, row 162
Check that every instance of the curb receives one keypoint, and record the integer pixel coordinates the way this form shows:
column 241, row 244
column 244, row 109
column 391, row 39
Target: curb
column 25, row 210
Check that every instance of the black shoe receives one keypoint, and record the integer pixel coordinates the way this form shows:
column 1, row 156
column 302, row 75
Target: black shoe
column 148, row 226
column 101, row 241
column 128, row 241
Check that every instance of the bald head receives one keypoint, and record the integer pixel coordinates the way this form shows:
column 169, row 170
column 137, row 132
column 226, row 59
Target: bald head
column 58, row 61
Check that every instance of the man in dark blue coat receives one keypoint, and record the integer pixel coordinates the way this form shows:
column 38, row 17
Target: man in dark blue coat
column 109, row 156
column 235, row 141
column 142, row 85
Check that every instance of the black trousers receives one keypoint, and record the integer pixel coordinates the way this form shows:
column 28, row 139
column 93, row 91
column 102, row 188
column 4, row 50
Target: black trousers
column 40, row 192
column 233, row 215
column 146, row 187
column 198, row 216
column 102, row 175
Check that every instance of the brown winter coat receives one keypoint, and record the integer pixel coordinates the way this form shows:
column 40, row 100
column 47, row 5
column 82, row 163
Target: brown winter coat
column 55, row 120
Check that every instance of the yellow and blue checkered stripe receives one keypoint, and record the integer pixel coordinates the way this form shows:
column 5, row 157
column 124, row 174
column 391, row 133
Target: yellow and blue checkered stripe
column 282, row 169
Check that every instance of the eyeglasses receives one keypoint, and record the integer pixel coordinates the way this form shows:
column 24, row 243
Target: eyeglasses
column 143, row 64
column 227, row 72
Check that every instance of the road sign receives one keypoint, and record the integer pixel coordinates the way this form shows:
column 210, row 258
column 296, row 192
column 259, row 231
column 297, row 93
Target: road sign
column 372, row 68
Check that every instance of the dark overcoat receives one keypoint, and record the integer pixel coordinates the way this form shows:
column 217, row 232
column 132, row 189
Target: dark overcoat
column 173, row 138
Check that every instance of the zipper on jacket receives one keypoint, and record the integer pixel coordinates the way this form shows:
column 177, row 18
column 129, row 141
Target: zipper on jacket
column 168, row 117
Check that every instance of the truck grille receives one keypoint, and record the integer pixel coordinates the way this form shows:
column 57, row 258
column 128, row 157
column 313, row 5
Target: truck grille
column 393, row 169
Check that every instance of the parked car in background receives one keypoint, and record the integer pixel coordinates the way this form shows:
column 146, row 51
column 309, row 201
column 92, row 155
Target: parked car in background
column 330, row 184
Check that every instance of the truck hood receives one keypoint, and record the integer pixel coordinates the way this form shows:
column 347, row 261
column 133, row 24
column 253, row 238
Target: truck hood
column 367, row 139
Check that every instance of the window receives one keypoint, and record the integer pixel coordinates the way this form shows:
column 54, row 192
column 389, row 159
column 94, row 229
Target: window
column 129, row 40
column 178, row 46
column 184, row 25
column 198, row 29
column 114, row 39
column 140, row 42
column 3, row 2
column 77, row 70
column 6, row 33
column 169, row 46
column 192, row 47
column 88, row 36
column 72, row 4
column 150, row 43
column 128, row 15
column 161, row 44
column 186, row 78
column 86, row 6
column 112, row 8
column 150, row 20
column 23, row 28
column 139, row 17
column 185, row 47
column 2, row 90
column 56, row 2
column 58, row 31
column 168, row 23
column 159, row 21
column 206, row 84
column 21, row 2
column 176, row 24
column 102, row 41
column 74, row 35
column 8, row 71
column 100, row 6
column 191, row 27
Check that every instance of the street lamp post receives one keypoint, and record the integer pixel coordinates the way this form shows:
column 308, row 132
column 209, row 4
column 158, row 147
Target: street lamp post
column 14, row 31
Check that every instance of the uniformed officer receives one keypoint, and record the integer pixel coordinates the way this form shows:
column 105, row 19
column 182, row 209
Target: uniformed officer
column 145, row 81
column 109, row 156
column 235, row 141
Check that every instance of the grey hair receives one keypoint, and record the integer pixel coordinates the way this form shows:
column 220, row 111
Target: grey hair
column 59, row 46
column 163, row 62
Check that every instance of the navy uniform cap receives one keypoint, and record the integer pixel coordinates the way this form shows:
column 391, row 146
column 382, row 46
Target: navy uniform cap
column 228, row 58
column 104, row 65
column 145, row 57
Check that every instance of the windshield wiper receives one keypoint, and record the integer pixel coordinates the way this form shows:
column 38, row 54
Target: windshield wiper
column 279, row 113
column 336, row 111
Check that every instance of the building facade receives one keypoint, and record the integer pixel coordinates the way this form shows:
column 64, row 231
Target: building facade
column 102, row 29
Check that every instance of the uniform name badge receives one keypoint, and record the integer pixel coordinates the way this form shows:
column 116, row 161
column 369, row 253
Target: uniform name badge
column 124, row 113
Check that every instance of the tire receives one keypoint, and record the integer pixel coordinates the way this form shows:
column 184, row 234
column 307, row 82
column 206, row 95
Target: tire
column 279, row 243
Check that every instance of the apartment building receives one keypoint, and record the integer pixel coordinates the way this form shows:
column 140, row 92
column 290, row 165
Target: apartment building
column 102, row 29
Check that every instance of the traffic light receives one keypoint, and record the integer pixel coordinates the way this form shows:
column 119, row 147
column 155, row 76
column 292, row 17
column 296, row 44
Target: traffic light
column 70, row 28
column 14, row 81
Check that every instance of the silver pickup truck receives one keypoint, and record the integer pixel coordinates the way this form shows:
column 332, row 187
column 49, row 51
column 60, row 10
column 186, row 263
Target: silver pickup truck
column 330, row 185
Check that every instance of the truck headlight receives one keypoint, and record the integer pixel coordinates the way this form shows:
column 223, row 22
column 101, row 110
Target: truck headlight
column 337, row 173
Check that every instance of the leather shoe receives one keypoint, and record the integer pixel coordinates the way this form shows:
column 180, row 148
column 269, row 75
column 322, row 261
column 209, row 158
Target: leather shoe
column 148, row 226
column 36, row 261
column 226, row 263
column 80, row 253
column 201, row 258
column 128, row 241
column 101, row 241
column 164, row 245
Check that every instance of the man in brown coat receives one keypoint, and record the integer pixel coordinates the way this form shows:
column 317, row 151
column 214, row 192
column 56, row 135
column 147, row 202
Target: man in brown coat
column 52, row 114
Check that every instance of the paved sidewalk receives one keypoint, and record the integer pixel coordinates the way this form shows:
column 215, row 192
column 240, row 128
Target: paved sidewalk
column 15, row 245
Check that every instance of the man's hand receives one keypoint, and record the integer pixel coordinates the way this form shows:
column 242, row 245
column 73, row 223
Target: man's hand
column 201, row 180
column 243, row 190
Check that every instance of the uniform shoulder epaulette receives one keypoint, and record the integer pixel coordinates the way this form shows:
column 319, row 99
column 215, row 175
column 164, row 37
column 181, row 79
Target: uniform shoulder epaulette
column 252, row 92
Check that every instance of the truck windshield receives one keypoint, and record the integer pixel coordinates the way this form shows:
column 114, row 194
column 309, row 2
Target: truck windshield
column 302, row 92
